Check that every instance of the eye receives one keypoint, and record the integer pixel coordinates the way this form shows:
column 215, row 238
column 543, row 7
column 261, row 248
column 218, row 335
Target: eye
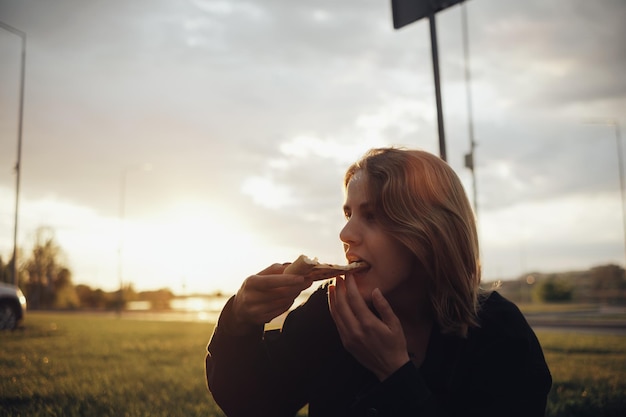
column 347, row 214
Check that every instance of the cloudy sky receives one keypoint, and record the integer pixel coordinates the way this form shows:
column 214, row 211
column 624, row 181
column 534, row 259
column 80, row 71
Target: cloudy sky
column 248, row 113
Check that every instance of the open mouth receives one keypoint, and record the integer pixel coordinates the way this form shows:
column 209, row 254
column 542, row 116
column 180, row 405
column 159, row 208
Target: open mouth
column 362, row 267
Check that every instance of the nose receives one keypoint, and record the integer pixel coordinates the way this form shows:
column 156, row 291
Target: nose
column 349, row 235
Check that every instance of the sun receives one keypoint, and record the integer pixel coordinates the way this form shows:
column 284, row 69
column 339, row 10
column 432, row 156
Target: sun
column 195, row 247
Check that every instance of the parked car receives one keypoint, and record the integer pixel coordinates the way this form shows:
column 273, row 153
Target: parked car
column 12, row 306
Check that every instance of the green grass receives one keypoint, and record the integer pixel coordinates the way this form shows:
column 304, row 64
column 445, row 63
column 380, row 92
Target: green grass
column 73, row 365
column 534, row 308
column 80, row 365
column 588, row 372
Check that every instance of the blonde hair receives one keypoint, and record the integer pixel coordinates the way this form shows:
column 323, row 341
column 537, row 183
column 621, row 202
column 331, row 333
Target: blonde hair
column 421, row 202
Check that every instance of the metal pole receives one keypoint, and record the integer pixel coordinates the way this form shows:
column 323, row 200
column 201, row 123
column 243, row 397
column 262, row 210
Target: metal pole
column 470, row 113
column 122, row 215
column 121, row 242
column 620, row 166
column 620, row 162
column 433, row 39
column 22, row 36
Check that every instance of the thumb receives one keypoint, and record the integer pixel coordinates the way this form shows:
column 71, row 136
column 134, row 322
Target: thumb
column 383, row 308
column 273, row 269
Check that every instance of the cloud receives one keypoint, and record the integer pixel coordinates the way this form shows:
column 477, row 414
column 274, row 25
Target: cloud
column 565, row 52
column 259, row 107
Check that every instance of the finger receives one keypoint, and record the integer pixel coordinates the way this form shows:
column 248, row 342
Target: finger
column 383, row 308
column 274, row 309
column 342, row 317
column 279, row 269
column 270, row 282
column 342, row 310
column 260, row 293
column 331, row 299
column 273, row 299
column 333, row 305
column 273, row 269
column 355, row 300
column 262, row 310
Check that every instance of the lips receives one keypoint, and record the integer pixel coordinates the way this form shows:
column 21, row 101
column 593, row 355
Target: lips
column 354, row 257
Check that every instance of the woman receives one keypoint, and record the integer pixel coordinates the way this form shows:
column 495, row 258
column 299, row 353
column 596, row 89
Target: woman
column 412, row 335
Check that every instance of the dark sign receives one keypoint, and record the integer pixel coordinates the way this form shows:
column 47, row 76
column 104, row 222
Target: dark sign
column 408, row 11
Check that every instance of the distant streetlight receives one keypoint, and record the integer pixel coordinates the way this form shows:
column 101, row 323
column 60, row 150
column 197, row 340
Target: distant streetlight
column 122, row 213
column 620, row 164
column 22, row 36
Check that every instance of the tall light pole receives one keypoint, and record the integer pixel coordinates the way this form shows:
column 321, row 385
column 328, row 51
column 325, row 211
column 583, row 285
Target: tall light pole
column 620, row 164
column 22, row 37
column 469, row 157
column 122, row 214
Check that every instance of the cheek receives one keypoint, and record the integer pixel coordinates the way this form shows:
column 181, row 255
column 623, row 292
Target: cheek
column 397, row 278
column 399, row 272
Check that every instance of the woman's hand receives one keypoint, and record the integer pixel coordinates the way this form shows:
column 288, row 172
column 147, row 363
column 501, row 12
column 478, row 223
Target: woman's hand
column 267, row 295
column 377, row 343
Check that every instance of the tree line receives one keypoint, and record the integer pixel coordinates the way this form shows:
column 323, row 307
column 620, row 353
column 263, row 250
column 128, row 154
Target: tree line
column 603, row 284
column 46, row 282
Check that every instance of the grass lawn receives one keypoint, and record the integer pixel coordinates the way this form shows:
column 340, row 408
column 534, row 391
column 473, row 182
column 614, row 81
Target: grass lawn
column 588, row 372
column 90, row 365
column 97, row 365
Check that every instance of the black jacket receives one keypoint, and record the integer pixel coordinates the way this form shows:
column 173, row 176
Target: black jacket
column 499, row 370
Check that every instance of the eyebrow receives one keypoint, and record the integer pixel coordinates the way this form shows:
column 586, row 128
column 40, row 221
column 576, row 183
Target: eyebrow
column 363, row 206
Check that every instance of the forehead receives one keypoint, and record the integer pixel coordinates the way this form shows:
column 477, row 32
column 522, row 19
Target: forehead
column 356, row 190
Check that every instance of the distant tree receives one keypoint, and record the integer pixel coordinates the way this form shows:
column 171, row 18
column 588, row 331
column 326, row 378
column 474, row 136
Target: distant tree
column 46, row 275
column 65, row 296
column 159, row 299
column 98, row 299
column 553, row 289
column 129, row 292
column 89, row 298
column 607, row 283
column 85, row 296
column 101, row 299
column 4, row 271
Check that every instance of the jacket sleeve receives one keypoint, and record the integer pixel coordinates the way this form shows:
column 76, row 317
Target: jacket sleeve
column 242, row 378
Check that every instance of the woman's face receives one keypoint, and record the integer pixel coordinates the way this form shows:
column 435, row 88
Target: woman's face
column 392, row 265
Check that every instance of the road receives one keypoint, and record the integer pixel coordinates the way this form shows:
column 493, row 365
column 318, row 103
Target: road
column 605, row 321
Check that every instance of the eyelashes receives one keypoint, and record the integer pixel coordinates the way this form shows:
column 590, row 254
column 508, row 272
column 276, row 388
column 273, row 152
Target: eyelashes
column 368, row 216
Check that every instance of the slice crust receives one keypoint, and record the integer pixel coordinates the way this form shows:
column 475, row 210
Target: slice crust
column 311, row 268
